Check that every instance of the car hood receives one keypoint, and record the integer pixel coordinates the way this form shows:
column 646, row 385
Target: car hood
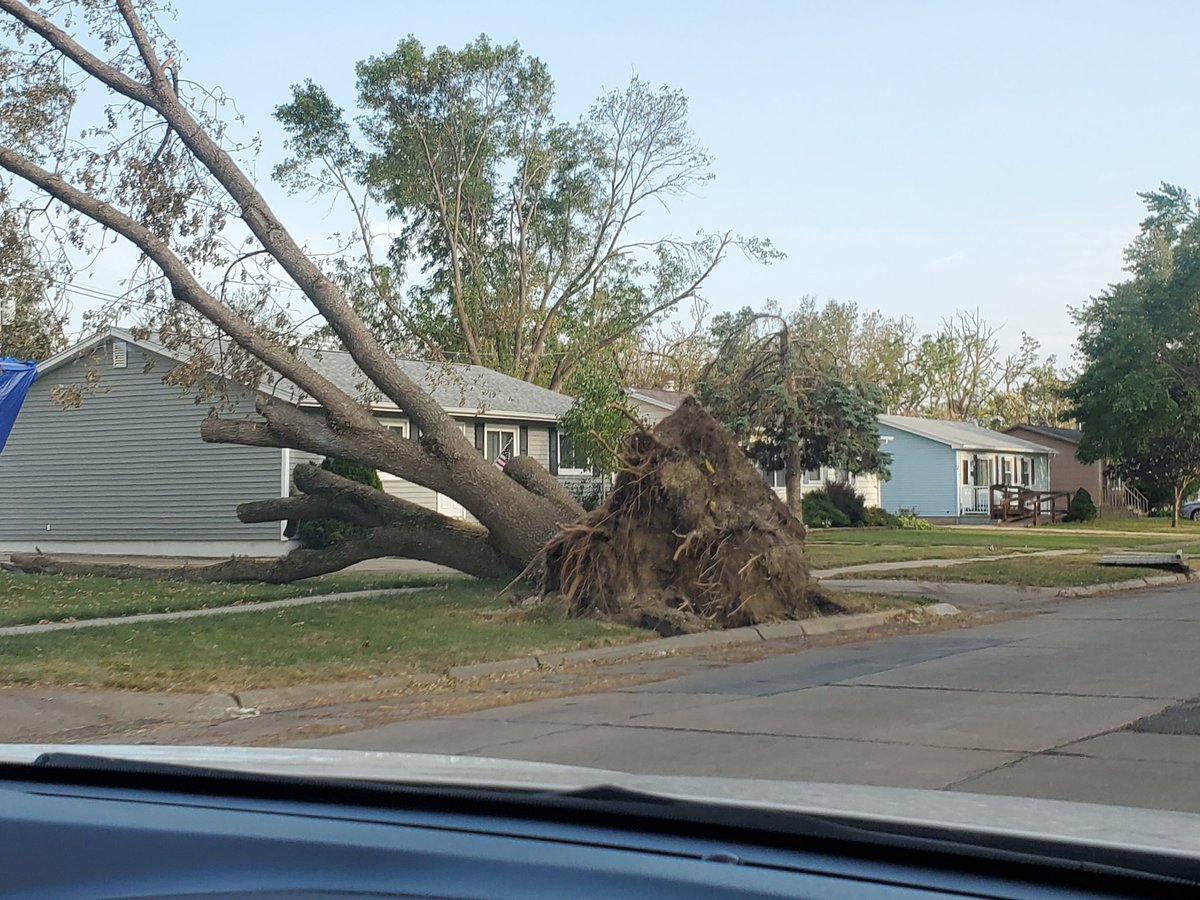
column 1092, row 825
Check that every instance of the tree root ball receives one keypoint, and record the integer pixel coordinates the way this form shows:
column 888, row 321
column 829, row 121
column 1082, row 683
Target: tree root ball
column 691, row 536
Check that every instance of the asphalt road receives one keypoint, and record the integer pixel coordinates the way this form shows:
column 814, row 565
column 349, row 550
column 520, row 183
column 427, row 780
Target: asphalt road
column 1090, row 700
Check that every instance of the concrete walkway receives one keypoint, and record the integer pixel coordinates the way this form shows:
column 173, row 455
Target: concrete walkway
column 967, row 596
column 935, row 563
column 143, row 618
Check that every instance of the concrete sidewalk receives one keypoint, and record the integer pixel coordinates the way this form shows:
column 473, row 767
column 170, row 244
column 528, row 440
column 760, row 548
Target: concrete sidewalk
column 898, row 565
column 184, row 614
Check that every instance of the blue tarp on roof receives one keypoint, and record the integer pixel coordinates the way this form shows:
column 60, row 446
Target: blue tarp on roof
column 15, row 378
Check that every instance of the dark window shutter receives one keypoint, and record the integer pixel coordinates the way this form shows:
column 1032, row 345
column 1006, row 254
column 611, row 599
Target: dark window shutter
column 479, row 436
column 553, row 450
column 523, row 441
column 413, row 431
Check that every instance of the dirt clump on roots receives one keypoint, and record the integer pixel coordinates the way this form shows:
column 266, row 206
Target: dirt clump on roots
column 691, row 537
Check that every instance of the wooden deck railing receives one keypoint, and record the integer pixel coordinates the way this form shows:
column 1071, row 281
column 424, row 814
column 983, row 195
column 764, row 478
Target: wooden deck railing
column 1013, row 503
column 1122, row 496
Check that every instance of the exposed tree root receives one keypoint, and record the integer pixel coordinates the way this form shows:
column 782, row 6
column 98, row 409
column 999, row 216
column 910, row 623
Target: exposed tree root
column 691, row 535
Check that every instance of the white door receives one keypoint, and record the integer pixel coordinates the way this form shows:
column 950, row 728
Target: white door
column 450, row 507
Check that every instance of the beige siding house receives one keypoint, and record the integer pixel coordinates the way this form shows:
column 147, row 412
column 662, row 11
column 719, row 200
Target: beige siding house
column 655, row 404
column 652, row 405
column 125, row 471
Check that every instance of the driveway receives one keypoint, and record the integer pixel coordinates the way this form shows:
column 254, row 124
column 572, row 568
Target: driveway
column 1063, row 704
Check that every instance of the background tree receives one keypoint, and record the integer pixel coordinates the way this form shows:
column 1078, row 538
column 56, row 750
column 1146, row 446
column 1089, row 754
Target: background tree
column 596, row 427
column 866, row 345
column 1137, row 396
column 956, row 372
column 520, row 225
column 788, row 409
column 33, row 311
column 1026, row 389
column 667, row 355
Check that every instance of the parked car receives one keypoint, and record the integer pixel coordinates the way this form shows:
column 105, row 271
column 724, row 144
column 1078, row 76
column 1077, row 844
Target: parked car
column 1190, row 510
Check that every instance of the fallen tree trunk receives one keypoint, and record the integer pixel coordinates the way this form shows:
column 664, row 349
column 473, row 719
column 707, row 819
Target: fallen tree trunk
column 465, row 551
column 690, row 534
column 396, row 527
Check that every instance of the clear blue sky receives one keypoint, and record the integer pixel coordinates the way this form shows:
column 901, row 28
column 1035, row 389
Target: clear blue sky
column 914, row 157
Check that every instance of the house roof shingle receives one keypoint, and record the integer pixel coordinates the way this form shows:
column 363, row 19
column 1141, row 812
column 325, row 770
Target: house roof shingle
column 962, row 435
column 457, row 387
column 1070, row 435
column 671, row 399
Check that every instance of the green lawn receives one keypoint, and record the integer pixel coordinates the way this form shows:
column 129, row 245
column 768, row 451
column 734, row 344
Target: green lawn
column 425, row 631
column 1186, row 528
column 457, row 623
column 28, row 599
column 1003, row 539
column 1061, row 571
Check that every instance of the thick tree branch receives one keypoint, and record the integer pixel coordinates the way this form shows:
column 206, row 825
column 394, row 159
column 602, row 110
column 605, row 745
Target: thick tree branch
column 457, row 548
column 366, row 350
column 187, row 289
column 529, row 473
column 289, row 426
column 68, row 47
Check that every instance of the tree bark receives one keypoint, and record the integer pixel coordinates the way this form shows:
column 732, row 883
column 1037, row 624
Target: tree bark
column 528, row 473
column 456, row 547
column 519, row 519
column 792, row 474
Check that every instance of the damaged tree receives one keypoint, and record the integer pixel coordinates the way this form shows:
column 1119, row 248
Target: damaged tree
column 690, row 533
column 167, row 182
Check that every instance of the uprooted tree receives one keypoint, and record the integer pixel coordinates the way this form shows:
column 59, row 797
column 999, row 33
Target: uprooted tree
column 158, row 169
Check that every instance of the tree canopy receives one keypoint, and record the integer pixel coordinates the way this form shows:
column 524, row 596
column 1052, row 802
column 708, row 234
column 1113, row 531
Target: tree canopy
column 33, row 315
column 515, row 229
column 1137, row 396
column 789, row 407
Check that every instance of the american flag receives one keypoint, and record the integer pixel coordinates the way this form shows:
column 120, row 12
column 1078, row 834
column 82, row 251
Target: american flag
column 502, row 460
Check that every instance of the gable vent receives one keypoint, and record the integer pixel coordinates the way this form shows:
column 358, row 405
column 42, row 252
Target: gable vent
column 120, row 354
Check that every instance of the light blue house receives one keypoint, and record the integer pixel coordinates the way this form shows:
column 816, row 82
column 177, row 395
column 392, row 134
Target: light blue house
column 944, row 469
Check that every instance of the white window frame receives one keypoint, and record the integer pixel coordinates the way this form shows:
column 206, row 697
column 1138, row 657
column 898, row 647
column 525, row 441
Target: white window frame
column 820, row 479
column 773, row 476
column 502, row 430
column 567, row 470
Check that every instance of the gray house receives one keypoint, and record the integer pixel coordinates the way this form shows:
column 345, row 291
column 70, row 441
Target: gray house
column 124, row 471
column 944, row 469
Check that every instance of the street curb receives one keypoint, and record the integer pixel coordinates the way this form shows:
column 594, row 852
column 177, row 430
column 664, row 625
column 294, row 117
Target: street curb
column 796, row 628
column 1132, row 584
